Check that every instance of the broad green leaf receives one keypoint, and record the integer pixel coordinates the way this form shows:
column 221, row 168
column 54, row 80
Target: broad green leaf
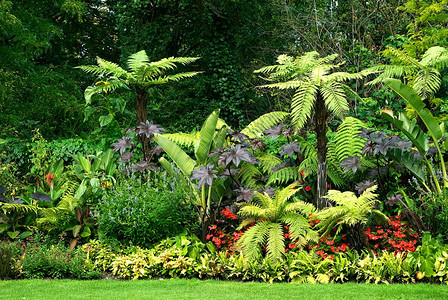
column 24, row 235
column 408, row 94
column 181, row 159
column 167, row 166
column 84, row 162
column 88, row 111
column 86, row 232
column 81, row 190
column 13, row 234
column 206, row 135
column 106, row 158
column 95, row 182
column 76, row 230
column 104, row 120
column 118, row 103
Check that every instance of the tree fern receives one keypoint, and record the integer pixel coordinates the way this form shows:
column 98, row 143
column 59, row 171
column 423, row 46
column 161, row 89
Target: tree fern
column 348, row 210
column 272, row 215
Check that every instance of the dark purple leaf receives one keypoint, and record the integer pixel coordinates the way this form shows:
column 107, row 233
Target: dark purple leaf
column 351, row 163
column 257, row 144
column 126, row 157
column 394, row 199
column 403, row 145
column 149, row 129
column 237, row 135
column 205, row 175
column 274, row 131
column 235, row 155
column 141, row 166
column 364, row 185
column 122, row 144
column 290, row 149
column 157, row 150
column 268, row 190
column 229, row 172
column 245, row 194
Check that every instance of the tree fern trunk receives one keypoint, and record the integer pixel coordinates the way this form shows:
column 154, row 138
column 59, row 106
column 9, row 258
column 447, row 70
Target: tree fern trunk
column 141, row 102
column 357, row 237
column 321, row 130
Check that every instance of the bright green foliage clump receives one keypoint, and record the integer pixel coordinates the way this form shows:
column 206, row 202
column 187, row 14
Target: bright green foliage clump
column 143, row 213
column 272, row 214
column 349, row 210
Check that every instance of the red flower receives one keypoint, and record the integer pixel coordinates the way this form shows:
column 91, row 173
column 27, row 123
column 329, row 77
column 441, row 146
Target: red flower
column 49, row 177
column 328, row 185
column 302, row 173
column 307, row 188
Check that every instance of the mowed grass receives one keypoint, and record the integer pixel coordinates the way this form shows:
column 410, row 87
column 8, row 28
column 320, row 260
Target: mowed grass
column 210, row 289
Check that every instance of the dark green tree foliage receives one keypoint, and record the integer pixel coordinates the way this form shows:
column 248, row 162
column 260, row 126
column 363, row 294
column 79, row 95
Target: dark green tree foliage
column 40, row 42
column 229, row 36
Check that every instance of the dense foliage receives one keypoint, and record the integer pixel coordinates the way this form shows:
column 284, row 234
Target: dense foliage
column 296, row 140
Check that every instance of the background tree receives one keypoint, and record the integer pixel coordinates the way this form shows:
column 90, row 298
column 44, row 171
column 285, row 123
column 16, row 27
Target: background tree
column 141, row 76
column 316, row 88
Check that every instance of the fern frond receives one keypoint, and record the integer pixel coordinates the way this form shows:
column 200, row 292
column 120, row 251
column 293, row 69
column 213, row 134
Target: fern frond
column 335, row 98
column 292, row 84
column 250, row 241
column 138, row 60
column 110, row 68
column 18, row 208
column 347, row 140
column 436, row 57
column 427, row 82
column 303, row 103
column 266, row 121
column 248, row 175
column 268, row 161
column 285, row 175
column 276, row 242
column 183, row 139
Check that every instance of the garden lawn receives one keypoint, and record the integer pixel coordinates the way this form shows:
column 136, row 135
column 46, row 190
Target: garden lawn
column 210, row 289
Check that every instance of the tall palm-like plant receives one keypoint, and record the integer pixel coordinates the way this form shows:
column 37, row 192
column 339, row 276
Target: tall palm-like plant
column 272, row 215
column 319, row 89
column 140, row 76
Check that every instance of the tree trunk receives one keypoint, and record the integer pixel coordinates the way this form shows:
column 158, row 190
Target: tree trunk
column 321, row 136
column 141, row 102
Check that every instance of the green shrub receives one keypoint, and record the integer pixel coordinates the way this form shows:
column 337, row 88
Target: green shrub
column 56, row 261
column 143, row 212
column 9, row 259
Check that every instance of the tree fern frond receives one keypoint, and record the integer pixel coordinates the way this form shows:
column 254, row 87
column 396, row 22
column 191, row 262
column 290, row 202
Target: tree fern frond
column 436, row 57
column 402, row 57
column 335, row 98
column 292, row 84
column 285, row 175
column 18, row 208
column 248, row 175
column 251, row 241
column 138, row 60
column 268, row 161
column 110, row 68
column 276, row 242
column 347, row 140
column 302, row 104
column 427, row 82
column 266, row 121
column 309, row 165
column 183, row 139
